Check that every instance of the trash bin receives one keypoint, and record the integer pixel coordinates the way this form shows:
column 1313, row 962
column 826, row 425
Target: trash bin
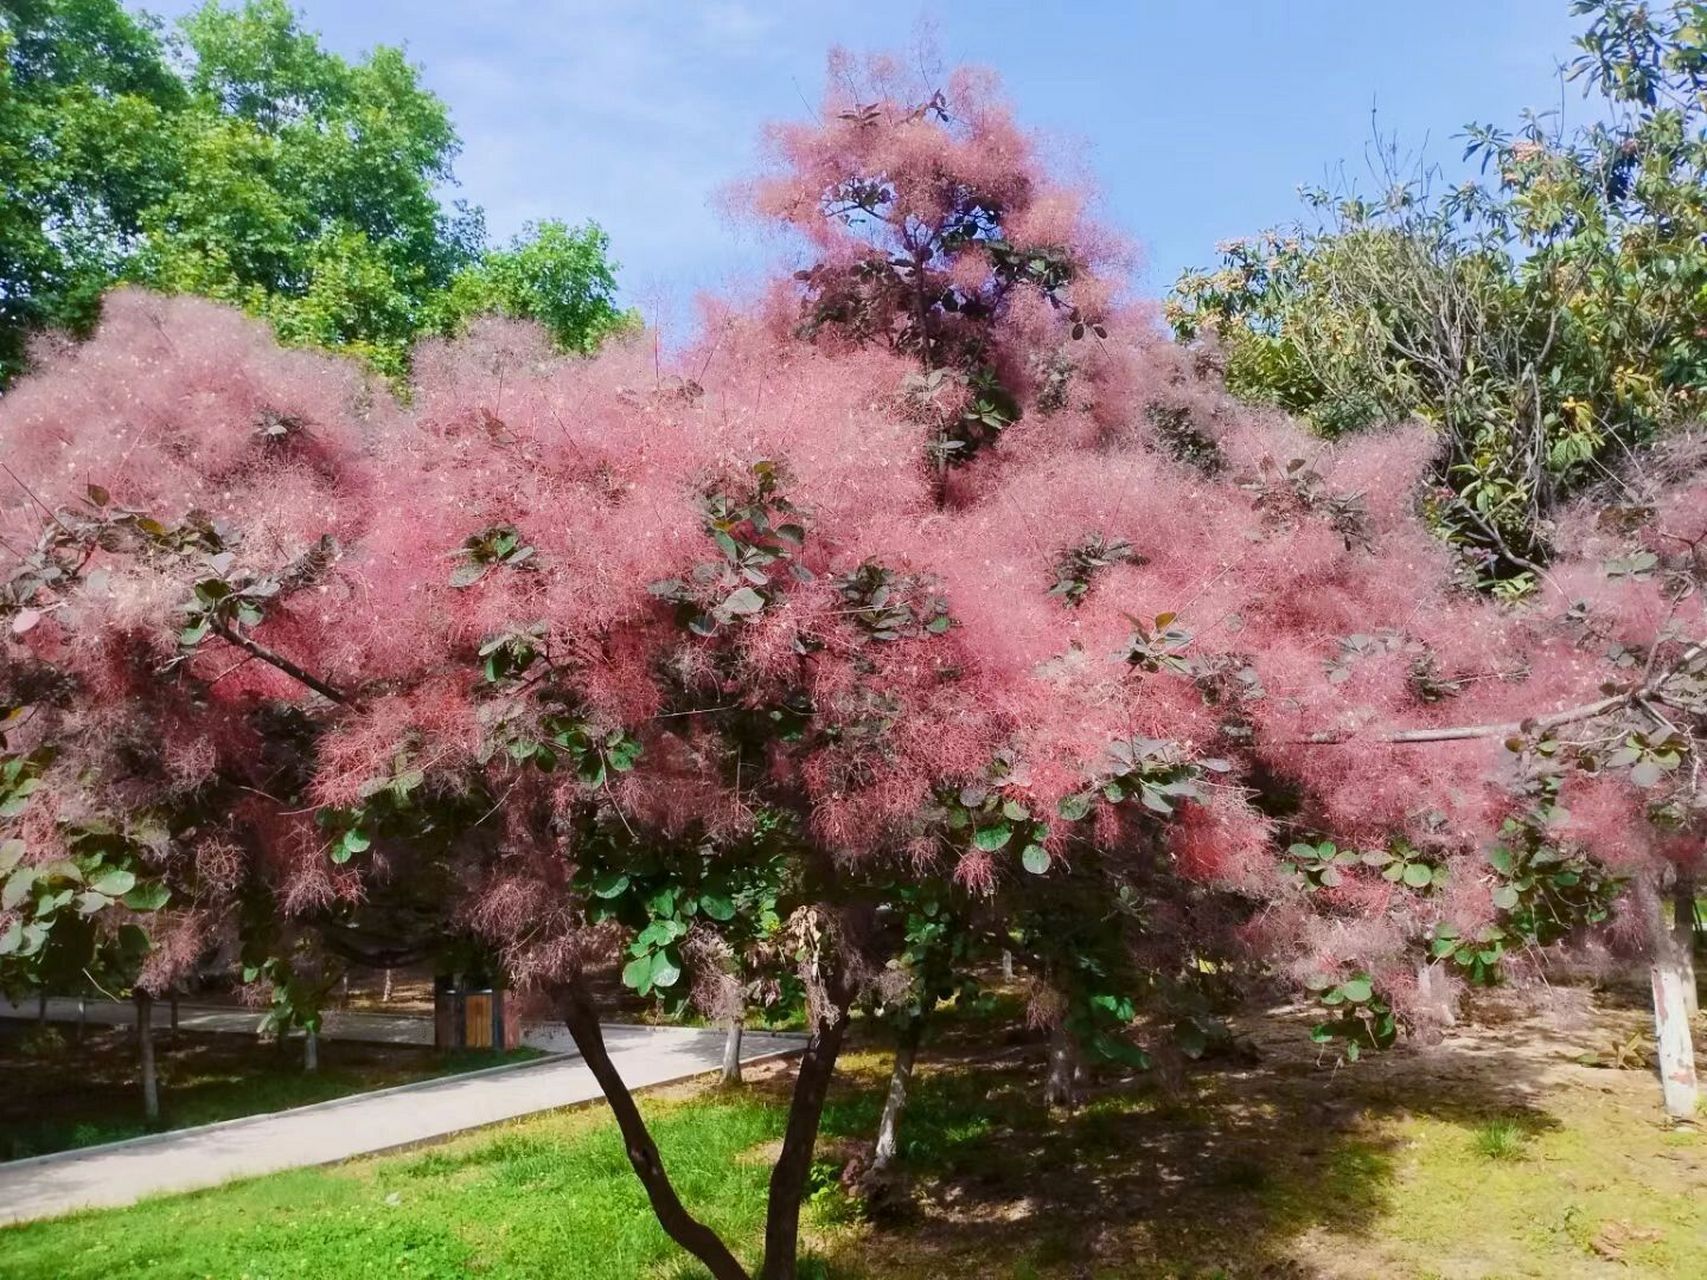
column 471, row 1012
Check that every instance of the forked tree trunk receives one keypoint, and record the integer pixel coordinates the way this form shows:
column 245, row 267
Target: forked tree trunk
column 1671, row 1022
column 578, row 1014
column 732, row 1051
column 788, row 1176
column 311, row 1051
column 1061, row 1085
column 1684, row 927
column 895, row 1102
column 794, row 1165
column 145, row 1044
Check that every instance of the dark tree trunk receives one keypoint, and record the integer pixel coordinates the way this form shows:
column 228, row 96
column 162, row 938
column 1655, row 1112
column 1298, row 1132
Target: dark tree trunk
column 145, row 1043
column 900, row 1081
column 1061, row 1085
column 794, row 1165
column 681, row 1226
column 41, row 1006
column 173, row 997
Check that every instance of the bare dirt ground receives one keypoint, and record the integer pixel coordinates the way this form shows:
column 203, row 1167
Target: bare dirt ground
column 1529, row 1143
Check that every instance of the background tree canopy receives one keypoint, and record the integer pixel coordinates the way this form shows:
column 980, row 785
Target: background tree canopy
column 1548, row 318
column 240, row 160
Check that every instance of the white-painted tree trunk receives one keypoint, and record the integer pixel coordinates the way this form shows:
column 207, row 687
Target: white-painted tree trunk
column 385, row 989
column 1434, row 994
column 1671, row 1032
column 82, row 1017
column 145, row 1043
column 1061, row 1085
column 1683, row 927
column 732, row 1051
column 900, row 1081
column 311, row 1050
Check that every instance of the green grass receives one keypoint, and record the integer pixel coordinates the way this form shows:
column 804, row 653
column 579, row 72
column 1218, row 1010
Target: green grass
column 551, row 1197
column 64, row 1097
column 1502, row 1138
column 1424, row 1167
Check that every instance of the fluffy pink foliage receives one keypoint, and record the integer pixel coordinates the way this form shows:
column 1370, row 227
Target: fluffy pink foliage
column 1315, row 598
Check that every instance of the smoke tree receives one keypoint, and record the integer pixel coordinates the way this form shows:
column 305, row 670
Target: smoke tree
column 937, row 566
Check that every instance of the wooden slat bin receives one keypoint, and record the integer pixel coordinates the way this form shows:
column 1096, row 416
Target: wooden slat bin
column 470, row 1012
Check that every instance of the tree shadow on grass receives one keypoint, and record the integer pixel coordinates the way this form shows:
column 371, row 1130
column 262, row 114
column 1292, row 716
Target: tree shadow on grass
column 1218, row 1177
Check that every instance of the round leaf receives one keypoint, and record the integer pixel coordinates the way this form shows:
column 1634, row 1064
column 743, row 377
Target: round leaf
column 1357, row 990
column 113, row 883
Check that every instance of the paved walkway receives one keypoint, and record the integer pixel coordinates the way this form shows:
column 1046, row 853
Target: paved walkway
column 123, row 1172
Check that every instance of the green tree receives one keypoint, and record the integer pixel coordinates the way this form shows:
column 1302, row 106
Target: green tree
column 553, row 273
column 1547, row 317
column 243, row 161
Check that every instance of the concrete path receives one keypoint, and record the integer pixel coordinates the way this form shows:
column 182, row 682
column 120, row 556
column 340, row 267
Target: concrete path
column 123, row 1172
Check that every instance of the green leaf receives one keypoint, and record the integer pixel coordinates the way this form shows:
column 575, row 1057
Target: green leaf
column 610, row 884
column 742, row 602
column 637, row 974
column 718, row 908
column 1074, row 807
column 665, row 971
column 1358, row 990
column 18, row 886
column 1419, row 875
column 1505, row 897
column 113, row 883
column 467, row 574
column 89, row 903
column 149, row 896
column 11, row 853
column 993, row 837
column 1035, row 859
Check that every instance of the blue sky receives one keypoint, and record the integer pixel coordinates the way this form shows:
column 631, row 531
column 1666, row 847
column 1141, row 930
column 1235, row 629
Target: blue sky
column 1198, row 118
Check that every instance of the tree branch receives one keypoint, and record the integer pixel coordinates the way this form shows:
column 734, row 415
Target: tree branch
column 282, row 663
column 1535, row 724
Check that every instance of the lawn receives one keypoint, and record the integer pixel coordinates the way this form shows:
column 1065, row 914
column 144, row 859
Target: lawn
column 59, row 1094
column 1499, row 1153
